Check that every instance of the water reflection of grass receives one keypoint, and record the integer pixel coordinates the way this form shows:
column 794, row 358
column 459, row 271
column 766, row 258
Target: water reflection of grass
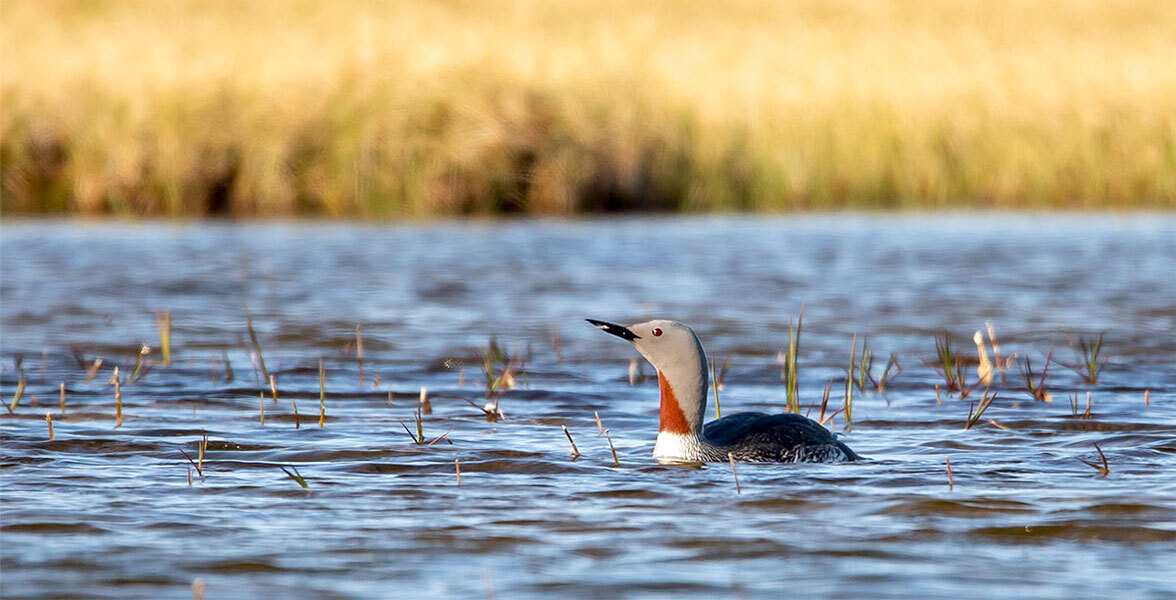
column 382, row 110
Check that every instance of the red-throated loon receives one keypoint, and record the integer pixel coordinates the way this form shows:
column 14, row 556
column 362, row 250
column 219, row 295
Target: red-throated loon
column 674, row 350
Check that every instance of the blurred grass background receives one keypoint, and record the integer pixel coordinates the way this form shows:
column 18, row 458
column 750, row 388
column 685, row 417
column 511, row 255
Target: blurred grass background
column 408, row 109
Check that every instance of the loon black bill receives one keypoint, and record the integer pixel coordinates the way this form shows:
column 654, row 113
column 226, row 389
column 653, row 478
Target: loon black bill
column 617, row 330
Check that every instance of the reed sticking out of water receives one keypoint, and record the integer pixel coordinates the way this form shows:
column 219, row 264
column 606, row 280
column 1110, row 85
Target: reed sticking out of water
column 294, row 405
column 322, row 395
column 296, row 476
column 636, row 374
column 359, row 351
column 117, row 399
column 139, row 360
column 556, row 344
column 849, row 381
column 189, row 476
column 790, row 367
column 20, row 388
column 62, row 388
column 49, row 421
column 950, row 480
column 423, row 403
column 198, row 589
column 1104, row 469
column 949, row 364
column 457, row 469
column 273, row 388
column 1034, row 385
column 203, row 449
column 1147, row 397
column 163, row 322
column 715, row 381
column 825, row 402
column 599, row 425
column 1074, row 406
column 261, row 405
column 984, row 368
column 611, row 448
column 985, row 402
column 575, row 451
column 1001, row 364
column 734, row 473
column 228, row 366
column 94, row 366
column 256, row 347
column 1088, row 352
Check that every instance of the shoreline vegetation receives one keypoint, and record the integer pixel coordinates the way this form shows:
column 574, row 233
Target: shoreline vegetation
column 388, row 110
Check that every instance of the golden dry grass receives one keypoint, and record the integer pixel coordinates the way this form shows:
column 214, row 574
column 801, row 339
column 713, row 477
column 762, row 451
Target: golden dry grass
column 388, row 109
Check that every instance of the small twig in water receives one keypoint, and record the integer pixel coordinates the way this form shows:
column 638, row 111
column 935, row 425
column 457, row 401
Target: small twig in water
column 599, row 425
column 950, row 481
column 322, row 395
column 616, row 461
column 575, row 451
column 117, row 399
column 457, row 469
column 49, row 421
column 735, row 474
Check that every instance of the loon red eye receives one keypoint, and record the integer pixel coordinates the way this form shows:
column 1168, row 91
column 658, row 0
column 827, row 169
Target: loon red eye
column 657, row 332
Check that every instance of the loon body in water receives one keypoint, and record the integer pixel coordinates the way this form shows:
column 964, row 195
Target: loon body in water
column 674, row 350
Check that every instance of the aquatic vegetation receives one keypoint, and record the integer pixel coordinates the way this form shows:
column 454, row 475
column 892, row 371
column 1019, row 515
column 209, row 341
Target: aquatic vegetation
column 1035, row 385
column 974, row 412
column 790, row 364
column 258, row 359
column 296, row 476
column 575, row 450
column 1088, row 353
column 949, row 365
column 1103, row 469
column 1074, row 406
column 717, row 377
column 163, row 323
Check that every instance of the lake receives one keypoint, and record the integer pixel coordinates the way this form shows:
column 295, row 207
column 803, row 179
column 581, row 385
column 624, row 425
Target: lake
column 118, row 512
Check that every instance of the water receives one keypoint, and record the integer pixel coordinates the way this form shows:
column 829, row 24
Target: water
column 106, row 512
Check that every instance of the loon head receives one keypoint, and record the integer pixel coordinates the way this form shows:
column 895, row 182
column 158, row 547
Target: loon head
column 674, row 350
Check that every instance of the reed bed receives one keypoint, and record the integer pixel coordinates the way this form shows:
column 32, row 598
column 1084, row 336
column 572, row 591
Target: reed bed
column 388, row 110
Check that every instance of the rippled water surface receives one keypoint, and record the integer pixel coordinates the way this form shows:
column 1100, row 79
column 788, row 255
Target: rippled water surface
column 109, row 512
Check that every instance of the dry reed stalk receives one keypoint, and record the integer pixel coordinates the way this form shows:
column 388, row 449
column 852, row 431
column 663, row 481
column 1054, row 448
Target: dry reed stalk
column 1147, row 397
column 228, row 365
column 825, row 401
column 607, row 436
column 261, row 405
column 938, row 397
column 457, row 469
column 49, row 421
column 461, row 378
column 734, row 473
column 62, row 388
column 97, row 364
column 984, row 369
column 389, row 398
column 426, row 407
column 575, row 451
column 294, row 404
column 599, row 425
column 556, row 342
column 998, row 425
column 256, row 346
column 117, row 399
column 950, row 481
column 273, row 388
column 189, row 476
column 322, row 395
column 376, row 382
column 197, row 589
column 635, row 373
column 359, row 351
